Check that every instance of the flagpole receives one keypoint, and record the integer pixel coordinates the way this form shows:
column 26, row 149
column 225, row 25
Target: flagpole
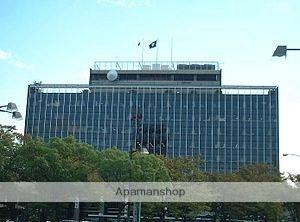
column 156, row 50
column 172, row 51
column 142, row 51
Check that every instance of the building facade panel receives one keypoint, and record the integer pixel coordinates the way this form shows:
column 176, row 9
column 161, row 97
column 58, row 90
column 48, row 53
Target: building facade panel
column 228, row 126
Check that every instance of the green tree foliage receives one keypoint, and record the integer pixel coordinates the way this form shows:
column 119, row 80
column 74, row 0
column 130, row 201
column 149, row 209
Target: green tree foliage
column 181, row 170
column 59, row 160
column 10, row 141
column 117, row 166
column 185, row 169
column 25, row 159
column 294, row 208
column 114, row 165
column 148, row 168
column 259, row 173
column 252, row 173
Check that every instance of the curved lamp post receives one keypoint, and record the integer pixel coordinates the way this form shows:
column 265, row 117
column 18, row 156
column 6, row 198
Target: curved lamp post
column 290, row 154
column 12, row 109
column 281, row 50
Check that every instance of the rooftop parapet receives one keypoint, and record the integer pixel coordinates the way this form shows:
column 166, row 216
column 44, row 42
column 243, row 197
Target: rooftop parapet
column 156, row 65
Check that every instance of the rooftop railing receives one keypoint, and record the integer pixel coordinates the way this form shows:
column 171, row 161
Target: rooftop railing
column 225, row 89
column 156, row 65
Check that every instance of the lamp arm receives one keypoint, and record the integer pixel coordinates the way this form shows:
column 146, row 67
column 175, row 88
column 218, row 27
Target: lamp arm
column 293, row 49
column 6, row 111
column 295, row 155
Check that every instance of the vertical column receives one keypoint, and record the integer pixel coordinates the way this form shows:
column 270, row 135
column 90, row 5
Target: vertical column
column 34, row 111
column 270, row 125
column 231, row 134
column 63, row 122
column 118, row 118
column 111, row 133
column 244, row 128
column 99, row 118
column 143, row 119
column 180, row 123
column 257, row 131
column 264, row 127
column 45, row 113
column 200, row 148
column 186, row 122
column 93, row 127
column 75, row 113
column 87, row 128
column 155, row 121
column 225, row 131
column 80, row 119
column 51, row 110
column 69, row 111
column 125, row 89
column 206, row 132
column 219, row 132
column 174, row 119
column 277, row 125
column 168, row 119
column 40, row 100
column 238, row 130
column 28, row 106
column 161, row 144
column 130, row 119
column 212, row 129
column 57, row 105
column 193, row 121
column 149, row 118
column 106, row 104
column 251, row 126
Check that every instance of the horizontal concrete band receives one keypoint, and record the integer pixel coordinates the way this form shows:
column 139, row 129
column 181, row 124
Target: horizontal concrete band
column 149, row 192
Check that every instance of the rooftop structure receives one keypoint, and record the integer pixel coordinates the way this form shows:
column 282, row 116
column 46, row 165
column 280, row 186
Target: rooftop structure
column 157, row 73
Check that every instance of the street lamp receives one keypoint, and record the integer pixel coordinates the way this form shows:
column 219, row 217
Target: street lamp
column 282, row 49
column 137, row 207
column 13, row 109
column 290, row 154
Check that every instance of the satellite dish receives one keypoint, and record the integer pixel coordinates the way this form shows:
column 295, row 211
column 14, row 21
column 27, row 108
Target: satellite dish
column 112, row 75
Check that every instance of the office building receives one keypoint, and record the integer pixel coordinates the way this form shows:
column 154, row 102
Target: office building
column 169, row 108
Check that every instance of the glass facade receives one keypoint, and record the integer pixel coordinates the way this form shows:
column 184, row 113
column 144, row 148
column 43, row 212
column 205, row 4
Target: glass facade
column 229, row 126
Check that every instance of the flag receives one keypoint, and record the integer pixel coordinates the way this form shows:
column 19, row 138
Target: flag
column 139, row 43
column 153, row 44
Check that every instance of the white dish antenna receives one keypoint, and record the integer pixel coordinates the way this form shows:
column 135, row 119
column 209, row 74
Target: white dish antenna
column 112, row 75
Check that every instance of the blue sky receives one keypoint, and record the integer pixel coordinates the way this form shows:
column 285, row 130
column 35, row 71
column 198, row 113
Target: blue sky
column 58, row 41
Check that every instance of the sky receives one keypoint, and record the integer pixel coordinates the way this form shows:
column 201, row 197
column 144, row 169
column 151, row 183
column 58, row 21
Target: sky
column 57, row 41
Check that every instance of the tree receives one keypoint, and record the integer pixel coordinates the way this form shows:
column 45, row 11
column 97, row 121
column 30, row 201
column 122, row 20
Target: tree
column 117, row 166
column 78, row 161
column 26, row 159
column 259, row 173
column 148, row 168
column 293, row 207
column 251, row 173
column 60, row 160
column 10, row 141
column 183, row 169
column 114, row 165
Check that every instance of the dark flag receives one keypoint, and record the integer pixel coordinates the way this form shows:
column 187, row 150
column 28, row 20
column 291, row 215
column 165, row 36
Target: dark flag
column 153, row 44
column 139, row 43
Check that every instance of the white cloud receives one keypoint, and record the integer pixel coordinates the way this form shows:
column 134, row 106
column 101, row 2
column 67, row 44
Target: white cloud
column 126, row 3
column 4, row 55
column 281, row 6
column 20, row 64
column 11, row 59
